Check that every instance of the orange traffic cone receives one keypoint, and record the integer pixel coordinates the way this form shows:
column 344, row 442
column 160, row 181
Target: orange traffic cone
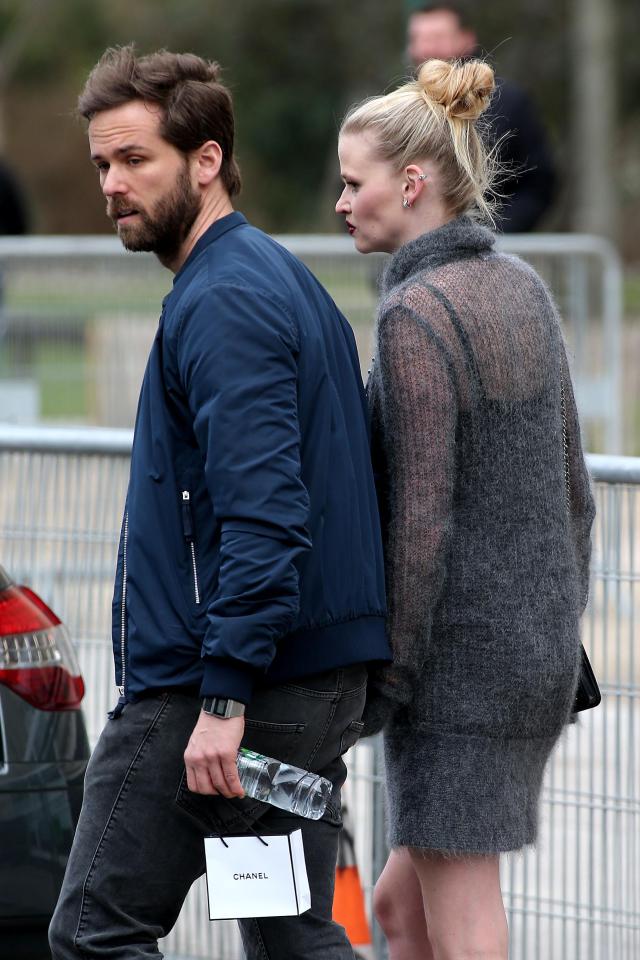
column 348, row 899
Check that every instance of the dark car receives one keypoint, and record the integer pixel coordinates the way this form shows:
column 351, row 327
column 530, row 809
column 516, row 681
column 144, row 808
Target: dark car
column 43, row 756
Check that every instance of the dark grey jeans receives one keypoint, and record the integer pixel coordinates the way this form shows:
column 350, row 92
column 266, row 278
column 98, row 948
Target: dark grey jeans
column 139, row 843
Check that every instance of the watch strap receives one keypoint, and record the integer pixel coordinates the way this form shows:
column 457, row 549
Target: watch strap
column 222, row 707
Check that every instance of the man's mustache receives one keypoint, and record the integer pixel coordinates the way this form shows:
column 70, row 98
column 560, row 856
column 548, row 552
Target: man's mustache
column 116, row 208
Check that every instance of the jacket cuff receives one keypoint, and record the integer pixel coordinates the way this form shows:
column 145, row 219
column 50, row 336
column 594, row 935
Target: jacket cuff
column 228, row 678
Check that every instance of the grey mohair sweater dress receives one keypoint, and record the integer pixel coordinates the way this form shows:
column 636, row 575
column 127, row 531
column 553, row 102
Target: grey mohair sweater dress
column 487, row 568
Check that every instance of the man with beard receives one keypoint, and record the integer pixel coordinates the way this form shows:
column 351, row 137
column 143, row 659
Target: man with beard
column 249, row 590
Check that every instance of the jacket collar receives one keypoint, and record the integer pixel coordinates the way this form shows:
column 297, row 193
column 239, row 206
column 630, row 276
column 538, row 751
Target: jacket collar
column 458, row 239
column 211, row 234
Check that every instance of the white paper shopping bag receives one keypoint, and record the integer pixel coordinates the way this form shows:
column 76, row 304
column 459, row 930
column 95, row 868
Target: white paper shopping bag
column 256, row 876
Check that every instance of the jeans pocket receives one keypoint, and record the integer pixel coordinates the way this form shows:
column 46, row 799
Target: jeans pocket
column 218, row 815
column 351, row 735
column 282, row 741
column 270, row 728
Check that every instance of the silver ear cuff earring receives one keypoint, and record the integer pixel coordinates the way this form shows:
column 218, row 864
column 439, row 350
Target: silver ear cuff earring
column 407, row 203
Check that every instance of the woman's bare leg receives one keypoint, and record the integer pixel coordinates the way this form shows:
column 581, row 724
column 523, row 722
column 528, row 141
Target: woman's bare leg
column 398, row 906
column 463, row 906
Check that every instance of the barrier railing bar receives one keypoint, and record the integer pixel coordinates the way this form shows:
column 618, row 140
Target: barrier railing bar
column 575, row 905
column 96, row 245
column 110, row 441
column 604, row 468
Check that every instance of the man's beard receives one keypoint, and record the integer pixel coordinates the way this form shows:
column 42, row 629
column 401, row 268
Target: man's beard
column 163, row 231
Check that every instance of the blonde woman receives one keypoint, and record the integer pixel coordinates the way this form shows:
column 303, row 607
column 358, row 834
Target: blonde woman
column 487, row 562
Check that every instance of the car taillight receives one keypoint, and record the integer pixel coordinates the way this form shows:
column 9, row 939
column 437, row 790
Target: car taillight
column 37, row 660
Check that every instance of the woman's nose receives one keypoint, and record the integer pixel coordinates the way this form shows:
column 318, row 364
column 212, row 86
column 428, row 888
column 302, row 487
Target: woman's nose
column 341, row 205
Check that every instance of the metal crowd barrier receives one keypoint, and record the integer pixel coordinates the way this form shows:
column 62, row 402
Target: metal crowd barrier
column 577, row 895
column 77, row 315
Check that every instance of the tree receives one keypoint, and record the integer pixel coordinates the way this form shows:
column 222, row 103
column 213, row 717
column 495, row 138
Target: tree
column 18, row 24
column 595, row 115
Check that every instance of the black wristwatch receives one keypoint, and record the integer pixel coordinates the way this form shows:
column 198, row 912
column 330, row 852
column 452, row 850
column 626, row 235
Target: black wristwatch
column 222, row 707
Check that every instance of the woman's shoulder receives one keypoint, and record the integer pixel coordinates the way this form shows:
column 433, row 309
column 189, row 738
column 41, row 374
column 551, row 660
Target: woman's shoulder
column 418, row 315
column 412, row 298
column 514, row 267
column 451, row 300
column 488, row 277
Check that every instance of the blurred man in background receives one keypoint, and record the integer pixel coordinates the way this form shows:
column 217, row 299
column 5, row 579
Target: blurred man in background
column 440, row 31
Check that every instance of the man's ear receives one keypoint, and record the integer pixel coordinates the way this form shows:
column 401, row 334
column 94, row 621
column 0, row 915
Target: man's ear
column 208, row 161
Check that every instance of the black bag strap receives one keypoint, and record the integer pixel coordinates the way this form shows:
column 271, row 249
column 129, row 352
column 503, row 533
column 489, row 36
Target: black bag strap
column 247, row 823
column 588, row 692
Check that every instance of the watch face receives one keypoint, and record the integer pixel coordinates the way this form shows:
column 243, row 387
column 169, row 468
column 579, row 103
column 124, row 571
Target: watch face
column 219, row 707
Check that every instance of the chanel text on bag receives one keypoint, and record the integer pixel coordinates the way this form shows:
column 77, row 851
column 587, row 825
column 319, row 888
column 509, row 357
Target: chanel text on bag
column 256, row 876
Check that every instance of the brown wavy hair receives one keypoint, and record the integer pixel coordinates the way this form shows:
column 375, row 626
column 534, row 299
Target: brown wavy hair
column 195, row 106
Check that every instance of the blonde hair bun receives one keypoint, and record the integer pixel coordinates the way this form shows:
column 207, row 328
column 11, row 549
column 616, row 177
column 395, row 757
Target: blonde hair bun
column 463, row 88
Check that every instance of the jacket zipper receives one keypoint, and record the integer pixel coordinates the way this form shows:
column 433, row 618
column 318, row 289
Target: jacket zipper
column 123, row 607
column 187, row 526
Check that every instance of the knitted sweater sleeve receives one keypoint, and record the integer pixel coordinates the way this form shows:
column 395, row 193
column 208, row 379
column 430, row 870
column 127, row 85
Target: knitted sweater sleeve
column 419, row 414
column 581, row 503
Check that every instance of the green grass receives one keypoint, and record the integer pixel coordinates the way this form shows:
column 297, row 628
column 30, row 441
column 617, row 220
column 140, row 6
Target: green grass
column 61, row 375
column 632, row 292
column 74, row 300
column 80, row 304
column 81, row 293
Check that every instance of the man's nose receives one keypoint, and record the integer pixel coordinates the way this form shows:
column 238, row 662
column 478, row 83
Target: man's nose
column 113, row 182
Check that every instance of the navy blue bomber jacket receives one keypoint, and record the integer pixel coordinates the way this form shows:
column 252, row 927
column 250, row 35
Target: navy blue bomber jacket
column 250, row 550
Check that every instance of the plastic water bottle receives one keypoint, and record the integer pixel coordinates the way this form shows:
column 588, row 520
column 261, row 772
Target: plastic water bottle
column 290, row 788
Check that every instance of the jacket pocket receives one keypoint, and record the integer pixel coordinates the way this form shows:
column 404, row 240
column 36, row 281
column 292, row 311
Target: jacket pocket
column 189, row 536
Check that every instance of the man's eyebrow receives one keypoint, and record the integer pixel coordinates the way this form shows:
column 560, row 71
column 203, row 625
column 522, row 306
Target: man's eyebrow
column 127, row 148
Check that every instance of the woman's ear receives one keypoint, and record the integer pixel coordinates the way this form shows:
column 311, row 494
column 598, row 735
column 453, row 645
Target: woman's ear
column 413, row 183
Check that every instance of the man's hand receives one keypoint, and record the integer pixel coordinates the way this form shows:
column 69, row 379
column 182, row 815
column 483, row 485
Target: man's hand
column 211, row 756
